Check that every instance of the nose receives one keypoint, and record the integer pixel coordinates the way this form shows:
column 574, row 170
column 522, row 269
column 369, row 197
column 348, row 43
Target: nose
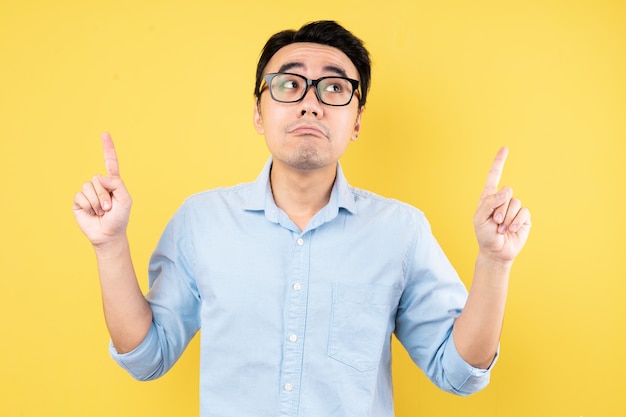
column 310, row 103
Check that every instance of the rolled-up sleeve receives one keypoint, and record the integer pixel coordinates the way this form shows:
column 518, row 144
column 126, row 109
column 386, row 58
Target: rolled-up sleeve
column 145, row 361
column 175, row 304
column 431, row 301
column 461, row 377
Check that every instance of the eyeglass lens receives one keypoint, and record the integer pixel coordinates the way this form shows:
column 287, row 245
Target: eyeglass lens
column 290, row 88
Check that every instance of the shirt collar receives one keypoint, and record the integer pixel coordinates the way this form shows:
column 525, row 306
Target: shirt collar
column 261, row 198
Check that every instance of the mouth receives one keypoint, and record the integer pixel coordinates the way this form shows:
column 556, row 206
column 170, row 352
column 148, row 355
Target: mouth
column 307, row 130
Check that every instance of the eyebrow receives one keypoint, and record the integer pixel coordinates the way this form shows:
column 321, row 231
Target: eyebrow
column 297, row 64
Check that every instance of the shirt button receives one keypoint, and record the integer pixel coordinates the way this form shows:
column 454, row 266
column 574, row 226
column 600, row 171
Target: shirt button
column 297, row 286
column 300, row 241
column 293, row 338
column 288, row 387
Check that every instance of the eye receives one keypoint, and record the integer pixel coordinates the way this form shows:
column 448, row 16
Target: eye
column 289, row 83
column 336, row 85
column 334, row 88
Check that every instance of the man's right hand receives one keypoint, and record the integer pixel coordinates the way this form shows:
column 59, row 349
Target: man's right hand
column 102, row 207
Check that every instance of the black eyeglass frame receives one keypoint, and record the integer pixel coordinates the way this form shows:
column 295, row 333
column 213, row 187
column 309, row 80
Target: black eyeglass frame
column 270, row 76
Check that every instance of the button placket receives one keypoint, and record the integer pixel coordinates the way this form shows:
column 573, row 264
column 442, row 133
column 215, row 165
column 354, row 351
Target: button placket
column 295, row 324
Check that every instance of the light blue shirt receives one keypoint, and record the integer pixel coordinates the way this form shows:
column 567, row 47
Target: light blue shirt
column 299, row 323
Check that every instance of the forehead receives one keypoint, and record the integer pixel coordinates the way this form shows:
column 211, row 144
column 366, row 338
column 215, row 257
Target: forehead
column 312, row 59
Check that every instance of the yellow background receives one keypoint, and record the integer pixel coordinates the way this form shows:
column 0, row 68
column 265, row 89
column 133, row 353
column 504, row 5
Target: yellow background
column 452, row 81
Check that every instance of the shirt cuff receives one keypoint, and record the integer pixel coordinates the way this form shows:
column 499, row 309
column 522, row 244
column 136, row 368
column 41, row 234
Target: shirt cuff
column 143, row 362
column 463, row 377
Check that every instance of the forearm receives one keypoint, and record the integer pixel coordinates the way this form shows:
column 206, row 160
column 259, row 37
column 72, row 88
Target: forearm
column 127, row 313
column 478, row 328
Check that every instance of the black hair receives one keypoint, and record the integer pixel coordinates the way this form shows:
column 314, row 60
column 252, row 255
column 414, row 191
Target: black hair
column 324, row 32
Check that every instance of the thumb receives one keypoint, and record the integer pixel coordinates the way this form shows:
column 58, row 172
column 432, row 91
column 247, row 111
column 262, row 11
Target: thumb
column 490, row 203
column 108, row 183
column 116, row 188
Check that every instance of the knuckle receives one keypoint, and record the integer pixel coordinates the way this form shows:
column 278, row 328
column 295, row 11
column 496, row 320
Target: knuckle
column 79, row 197
column 87, row 187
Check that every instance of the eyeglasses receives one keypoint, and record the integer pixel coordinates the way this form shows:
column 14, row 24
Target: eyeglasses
column 290, row 88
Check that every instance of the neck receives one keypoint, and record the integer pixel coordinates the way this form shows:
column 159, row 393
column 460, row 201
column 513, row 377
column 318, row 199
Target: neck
column 301, row 194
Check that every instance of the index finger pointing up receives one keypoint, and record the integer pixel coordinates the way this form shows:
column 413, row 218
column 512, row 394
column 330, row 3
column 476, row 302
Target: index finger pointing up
column 110, row 156
column 495, row 173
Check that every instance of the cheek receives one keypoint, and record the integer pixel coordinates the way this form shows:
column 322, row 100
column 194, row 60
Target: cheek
column 271, row 118
column 350, row 125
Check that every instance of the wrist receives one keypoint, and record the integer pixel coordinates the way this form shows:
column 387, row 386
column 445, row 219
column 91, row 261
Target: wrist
column 111, row 248
column 493, row 262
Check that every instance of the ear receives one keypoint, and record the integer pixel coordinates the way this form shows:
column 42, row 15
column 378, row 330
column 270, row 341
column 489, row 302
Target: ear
column 257, row 118
column 357, row 124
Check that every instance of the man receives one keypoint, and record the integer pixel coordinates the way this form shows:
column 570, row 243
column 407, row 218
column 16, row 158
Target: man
column 297, row 279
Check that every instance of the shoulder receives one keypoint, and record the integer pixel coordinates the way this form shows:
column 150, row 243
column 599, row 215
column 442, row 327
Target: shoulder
column 215, row 203
column 389, row 213
column 368, row 200
column 231, row 194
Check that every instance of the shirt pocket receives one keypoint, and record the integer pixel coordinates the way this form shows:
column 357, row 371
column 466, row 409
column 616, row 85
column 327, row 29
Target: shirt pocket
column 361, row 323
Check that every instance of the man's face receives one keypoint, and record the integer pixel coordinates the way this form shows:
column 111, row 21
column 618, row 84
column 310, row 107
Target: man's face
column 308, row 135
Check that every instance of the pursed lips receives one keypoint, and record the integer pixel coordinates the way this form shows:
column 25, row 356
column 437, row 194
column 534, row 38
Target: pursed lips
column 307, row 129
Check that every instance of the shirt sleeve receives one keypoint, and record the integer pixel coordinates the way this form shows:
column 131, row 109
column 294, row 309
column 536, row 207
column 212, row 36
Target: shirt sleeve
column 431, row 301
column 175, row 302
